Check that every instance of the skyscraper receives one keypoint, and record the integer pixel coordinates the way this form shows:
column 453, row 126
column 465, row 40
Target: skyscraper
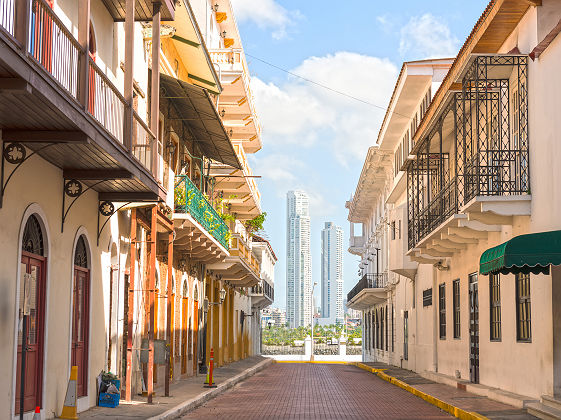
column 298, row 260
column 332, row 274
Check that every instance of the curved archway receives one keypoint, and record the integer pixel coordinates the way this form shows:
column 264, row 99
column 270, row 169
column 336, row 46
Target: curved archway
column 31, row 310
column 195, row 325
column 80, row 312
column 185, row 328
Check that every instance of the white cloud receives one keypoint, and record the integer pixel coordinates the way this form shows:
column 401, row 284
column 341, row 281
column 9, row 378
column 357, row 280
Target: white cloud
column 267, row 14
column 427, row 36
column 298, row 112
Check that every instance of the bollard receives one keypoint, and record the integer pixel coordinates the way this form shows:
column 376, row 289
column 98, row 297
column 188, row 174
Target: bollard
column 211, row 383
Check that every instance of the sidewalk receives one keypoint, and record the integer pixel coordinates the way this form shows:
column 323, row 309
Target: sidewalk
column 457, row 402
column 185, row 395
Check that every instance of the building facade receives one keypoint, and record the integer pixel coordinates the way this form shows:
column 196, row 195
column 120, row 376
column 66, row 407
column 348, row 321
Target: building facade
column 298, row 260
column 458, row 187
column 332, row 274
column 101, row 123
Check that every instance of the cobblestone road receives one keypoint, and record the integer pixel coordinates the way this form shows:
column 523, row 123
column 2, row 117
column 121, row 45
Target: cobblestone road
column 316, row 391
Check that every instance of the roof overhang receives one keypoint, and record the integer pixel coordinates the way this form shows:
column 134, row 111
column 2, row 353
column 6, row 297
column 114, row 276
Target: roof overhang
column 370, row 184
column 191, row 47
column 197, row 110
column 367, row 298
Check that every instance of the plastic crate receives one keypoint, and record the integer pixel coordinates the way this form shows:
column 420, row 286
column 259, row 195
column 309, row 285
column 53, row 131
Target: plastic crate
column 108, row 400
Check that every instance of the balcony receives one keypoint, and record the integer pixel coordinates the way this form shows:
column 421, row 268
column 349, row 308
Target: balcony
column 201, row 232
column 471, row 170
column 399, row 262
column 237, row 102
column 262, row 295
column 370, row 290
column 356, row 245
column 57, row 102
column 240, row 268
column 238, row 187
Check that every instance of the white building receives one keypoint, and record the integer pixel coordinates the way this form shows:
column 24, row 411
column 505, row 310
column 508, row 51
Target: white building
column 459, row 204
column 332, row 274
column 298, row 260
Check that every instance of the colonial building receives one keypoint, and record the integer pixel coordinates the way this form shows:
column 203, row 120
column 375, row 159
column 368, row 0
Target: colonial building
column 102, row 265
column 469, row 216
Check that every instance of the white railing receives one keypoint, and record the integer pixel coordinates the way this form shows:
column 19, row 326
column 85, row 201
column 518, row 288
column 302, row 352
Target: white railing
column 7, row 15
column 105, row 102
column 248, row 173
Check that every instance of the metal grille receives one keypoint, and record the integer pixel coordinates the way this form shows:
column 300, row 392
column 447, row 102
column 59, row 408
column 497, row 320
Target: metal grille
column 523, row 308
column 33, row 237
column 495, row 307
column 486, row 153
column 81, row 253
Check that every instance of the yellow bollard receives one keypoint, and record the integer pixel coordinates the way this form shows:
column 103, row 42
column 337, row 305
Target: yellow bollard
column 70, row 410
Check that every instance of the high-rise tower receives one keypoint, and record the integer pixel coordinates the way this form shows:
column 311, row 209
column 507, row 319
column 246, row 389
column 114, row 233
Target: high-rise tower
column 332, row 274
column 298, row 260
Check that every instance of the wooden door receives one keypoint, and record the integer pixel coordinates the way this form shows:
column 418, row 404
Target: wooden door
column 80, row 327
column 473, row 329
column 32, row 267
column 195, row 335
column 184, row 330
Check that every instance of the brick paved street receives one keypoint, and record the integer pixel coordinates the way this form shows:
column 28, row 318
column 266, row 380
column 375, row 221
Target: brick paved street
column 314, row 391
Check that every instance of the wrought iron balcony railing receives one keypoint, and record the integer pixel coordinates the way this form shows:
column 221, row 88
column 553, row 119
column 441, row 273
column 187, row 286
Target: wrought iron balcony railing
column 264, row 289
column 368, row 281
column 189, row 199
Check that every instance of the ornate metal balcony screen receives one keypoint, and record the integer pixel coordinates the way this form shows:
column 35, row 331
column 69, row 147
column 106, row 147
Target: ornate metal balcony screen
column 478, row 146
column 368, row 281
column 188, row 199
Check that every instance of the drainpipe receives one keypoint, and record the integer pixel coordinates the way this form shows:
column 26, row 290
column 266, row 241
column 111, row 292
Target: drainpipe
column 435, row 321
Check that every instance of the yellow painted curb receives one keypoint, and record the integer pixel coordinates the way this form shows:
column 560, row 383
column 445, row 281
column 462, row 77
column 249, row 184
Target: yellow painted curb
column 449, row 408
column 320, row 362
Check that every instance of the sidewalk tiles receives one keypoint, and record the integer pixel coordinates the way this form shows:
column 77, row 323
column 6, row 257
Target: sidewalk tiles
column 185, row 394
column 459, row 403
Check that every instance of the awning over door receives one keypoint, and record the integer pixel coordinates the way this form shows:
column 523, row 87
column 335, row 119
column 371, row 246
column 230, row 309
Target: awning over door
column 532, row 253
column 197, row 111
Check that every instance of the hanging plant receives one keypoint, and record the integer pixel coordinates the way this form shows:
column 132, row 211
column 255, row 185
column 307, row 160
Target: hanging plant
column 255, row 224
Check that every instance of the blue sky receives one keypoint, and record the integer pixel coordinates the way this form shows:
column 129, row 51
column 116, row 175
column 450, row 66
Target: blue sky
column 314, row 139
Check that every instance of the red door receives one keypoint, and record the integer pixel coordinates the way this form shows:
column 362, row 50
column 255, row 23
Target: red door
column 32, row 267
column 80, row 327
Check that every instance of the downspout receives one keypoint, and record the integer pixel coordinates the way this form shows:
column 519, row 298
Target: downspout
column 435, row 321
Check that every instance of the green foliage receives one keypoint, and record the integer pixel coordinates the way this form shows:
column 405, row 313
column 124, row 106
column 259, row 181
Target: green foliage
column 256, row 223
column 282, row 335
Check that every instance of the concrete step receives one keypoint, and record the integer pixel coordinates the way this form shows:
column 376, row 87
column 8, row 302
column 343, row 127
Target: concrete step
column 543, row 411
column 551, row 402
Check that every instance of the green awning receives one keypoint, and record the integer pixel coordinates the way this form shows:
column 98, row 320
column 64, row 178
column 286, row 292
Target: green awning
column 532, row 253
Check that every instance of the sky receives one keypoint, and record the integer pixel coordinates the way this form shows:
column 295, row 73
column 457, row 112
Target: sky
column 316, row 139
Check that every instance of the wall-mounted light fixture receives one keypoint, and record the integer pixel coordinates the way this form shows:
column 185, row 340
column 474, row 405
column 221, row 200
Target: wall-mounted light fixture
column 207, row 304
column 223, row 112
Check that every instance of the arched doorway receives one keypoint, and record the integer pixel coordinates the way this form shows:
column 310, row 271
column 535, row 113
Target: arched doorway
column 80, row 315
column 184, row 318
column 32, row 292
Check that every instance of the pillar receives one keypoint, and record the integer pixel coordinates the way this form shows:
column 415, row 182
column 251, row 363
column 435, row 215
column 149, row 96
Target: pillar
column 130, row 314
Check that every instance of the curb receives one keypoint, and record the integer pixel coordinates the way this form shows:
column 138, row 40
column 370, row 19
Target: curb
column 189, row 405
column 449, row 408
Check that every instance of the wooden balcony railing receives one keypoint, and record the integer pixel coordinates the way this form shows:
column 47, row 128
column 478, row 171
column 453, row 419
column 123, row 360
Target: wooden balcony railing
column 105, row 102
column 53, row 46
column 7, row 14
column 36, row 28
column 142, row 142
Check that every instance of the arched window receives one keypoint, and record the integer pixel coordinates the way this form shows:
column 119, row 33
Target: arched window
column 33, row 237
column 81, row 253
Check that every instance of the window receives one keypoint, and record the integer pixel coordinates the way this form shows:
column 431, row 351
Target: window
column 381, row 329
column 427, row 297
column 442, row 310
column 456, row 304
column 399, row 228
column 393, row 230
column 495, row 307
column 393, row 328
column 406, row 335
column 386, row 314
column 523, row 308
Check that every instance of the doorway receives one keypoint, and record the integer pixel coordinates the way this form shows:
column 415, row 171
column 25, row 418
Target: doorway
column 184, row 324
column 80, row 316
column 33, row 263
column 473, row 329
